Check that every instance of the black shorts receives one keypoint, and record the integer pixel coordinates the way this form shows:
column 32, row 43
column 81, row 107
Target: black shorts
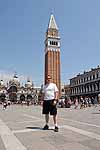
column 48, row 107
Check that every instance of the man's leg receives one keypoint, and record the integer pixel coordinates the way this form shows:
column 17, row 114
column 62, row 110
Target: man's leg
column 55, row 119
column 46, row 127
column 47, row 118
column 55, row 123
column 46, row 113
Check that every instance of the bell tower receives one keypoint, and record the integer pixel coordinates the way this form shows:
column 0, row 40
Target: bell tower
column 52, row 53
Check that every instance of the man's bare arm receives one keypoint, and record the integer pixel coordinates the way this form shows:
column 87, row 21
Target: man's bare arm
column 56, row 95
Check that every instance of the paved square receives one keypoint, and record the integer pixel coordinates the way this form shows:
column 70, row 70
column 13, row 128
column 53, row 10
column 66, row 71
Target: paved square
column 21, row 129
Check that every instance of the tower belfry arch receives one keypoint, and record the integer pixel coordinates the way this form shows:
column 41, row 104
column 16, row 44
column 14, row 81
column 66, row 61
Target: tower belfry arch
column 52, row 52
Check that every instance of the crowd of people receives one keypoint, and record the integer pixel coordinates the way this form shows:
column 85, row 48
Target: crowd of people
column 78, row 102
column 88, row 102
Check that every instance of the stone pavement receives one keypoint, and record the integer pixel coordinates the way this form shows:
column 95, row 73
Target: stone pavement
column 21, row 129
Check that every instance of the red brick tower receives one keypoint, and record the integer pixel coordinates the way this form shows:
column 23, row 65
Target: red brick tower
column 52, row 53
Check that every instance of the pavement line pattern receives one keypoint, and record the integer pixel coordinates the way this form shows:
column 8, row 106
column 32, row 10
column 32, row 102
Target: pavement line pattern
column 33, row 117
column 77, row 130
column 21, row 122
column 24, row 130
column 83, row 132
column 84, row 123
column 9, row 139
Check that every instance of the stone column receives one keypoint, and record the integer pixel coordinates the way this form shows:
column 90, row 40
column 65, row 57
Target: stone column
column 92, row 88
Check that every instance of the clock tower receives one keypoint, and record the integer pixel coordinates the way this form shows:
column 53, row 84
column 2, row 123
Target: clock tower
column 52, row 53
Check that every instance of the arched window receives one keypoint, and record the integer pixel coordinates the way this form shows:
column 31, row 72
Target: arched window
column 90, row 77
column 97, row 76
column 62, row 90
column 93, row 76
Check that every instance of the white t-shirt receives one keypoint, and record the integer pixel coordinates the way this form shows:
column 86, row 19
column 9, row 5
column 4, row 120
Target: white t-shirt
column 49, row 91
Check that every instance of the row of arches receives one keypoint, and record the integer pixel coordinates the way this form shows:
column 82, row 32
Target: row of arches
column 85, row 88
column 14, row 95
column 53, row 43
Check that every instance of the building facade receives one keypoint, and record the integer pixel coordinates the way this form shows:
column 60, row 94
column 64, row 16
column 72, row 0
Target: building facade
column 86, row 84
column 67, row 90
column 15, row 92
column 52, row 53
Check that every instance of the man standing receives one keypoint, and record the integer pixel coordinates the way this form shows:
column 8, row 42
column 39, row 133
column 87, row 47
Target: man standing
column 50, row 98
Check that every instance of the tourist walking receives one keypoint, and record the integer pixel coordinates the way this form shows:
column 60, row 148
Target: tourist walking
column 76, row 103
column 4, row 105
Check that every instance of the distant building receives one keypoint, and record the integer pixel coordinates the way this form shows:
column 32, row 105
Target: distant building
column 13, row 90
column 86, row 84
column 52, row 53
column 67, row 90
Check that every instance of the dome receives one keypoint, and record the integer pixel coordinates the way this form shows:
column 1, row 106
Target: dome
column 2, row 83
column 29, row 83
column 15, row 80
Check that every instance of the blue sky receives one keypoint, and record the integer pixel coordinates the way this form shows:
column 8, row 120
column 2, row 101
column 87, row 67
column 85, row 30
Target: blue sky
column 23, row 24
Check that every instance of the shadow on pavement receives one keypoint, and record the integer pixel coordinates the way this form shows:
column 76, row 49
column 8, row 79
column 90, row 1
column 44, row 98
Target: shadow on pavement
column 37, row 128
column 98, row 113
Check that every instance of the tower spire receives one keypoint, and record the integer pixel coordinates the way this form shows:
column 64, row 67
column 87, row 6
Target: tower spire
column 52, row 23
